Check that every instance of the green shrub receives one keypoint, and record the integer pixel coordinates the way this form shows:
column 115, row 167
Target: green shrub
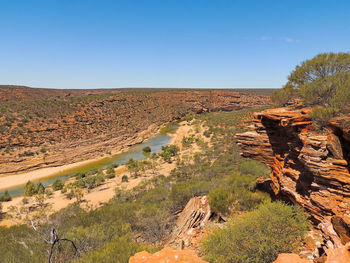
column 30, row 189
column 168, row 152
column 5, row 197
column 246, row 200
column 110, row 176
column 257, row 236
column 48, row 192
column 125, row 178
column 146, row 149
column 283, row 96
column 57, row 185
column 116, row 251
column 181, row 193
column 254, row 168
column 207, row 133
column 155, row 196
column 81, row 183
column 322, row 115
column 187, row 141
column 219, row 201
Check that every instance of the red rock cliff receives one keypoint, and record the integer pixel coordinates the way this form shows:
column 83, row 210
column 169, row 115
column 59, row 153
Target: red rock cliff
column 308, row 167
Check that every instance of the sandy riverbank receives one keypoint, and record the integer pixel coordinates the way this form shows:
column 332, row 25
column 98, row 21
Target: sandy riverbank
column 12, row 181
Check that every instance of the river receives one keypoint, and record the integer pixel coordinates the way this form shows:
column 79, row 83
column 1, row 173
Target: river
column 134, row 152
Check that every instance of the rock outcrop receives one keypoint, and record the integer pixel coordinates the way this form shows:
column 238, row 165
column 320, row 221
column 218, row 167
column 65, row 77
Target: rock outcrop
column 167, row 255
column 309, row 167
column 337, row 255
column 290, row 258
column 189, row 226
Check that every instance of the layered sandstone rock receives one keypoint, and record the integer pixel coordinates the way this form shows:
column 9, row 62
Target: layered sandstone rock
column 309, row 168
column 337, row 255
column 167, row 255
column 191, row 221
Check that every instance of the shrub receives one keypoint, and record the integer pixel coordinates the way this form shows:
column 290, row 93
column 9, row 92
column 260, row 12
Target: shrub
column 250, row 167
column 30, row 189
column 48, row 192
column 125, row 178
column 207, row 133
column 219, row 200
column 168, row 152
column 257, row 236
column 110, row 176
column 187, row 141
column 283, row 96
column 322, row 115
column 6, row 197
column 57, row 185
column 81, row 183
column 121, row 249
column 147, row 149
column 25, row 201
column 40, row 189
column 246, row 200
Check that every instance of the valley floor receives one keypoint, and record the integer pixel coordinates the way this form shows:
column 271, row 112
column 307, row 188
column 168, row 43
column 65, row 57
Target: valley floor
column 103, row 193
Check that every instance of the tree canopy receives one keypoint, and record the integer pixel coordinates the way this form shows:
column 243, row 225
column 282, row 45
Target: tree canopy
column 323, row 80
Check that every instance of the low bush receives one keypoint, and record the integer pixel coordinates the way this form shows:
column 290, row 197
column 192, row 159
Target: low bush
column 219, row 200
column 168, row 152
column 257, row 236
column 322, row 115
column 254, row 168
column 5, row 197
column 146, row 149
column 187, row 141
column 57, row 185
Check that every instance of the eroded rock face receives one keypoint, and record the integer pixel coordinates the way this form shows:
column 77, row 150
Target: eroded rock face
column 167, row 255
column 308, row 167
column 190, row 223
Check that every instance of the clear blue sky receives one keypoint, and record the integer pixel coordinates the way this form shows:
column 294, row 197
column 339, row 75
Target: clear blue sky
column 163, row 43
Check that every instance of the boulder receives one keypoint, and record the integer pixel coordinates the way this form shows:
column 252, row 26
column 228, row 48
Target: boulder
column 290, row 258
column 167, row 255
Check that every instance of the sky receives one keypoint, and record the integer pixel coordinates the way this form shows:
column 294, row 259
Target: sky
column 165, row 43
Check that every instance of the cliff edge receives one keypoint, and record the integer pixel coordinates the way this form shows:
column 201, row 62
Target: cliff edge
column 309, row 167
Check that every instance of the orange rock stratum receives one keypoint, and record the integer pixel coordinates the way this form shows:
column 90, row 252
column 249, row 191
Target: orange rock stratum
column 309, row 167
column 167, row 255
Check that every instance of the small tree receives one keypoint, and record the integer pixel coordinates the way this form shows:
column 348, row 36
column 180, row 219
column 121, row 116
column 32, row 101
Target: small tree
column 57, row 185
column 6, row 197
column 125, row 178
column 219, row 200
column 29, row 189
column 40, row 189
column 323, row 80
column 133, row 167
column 146, row 149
